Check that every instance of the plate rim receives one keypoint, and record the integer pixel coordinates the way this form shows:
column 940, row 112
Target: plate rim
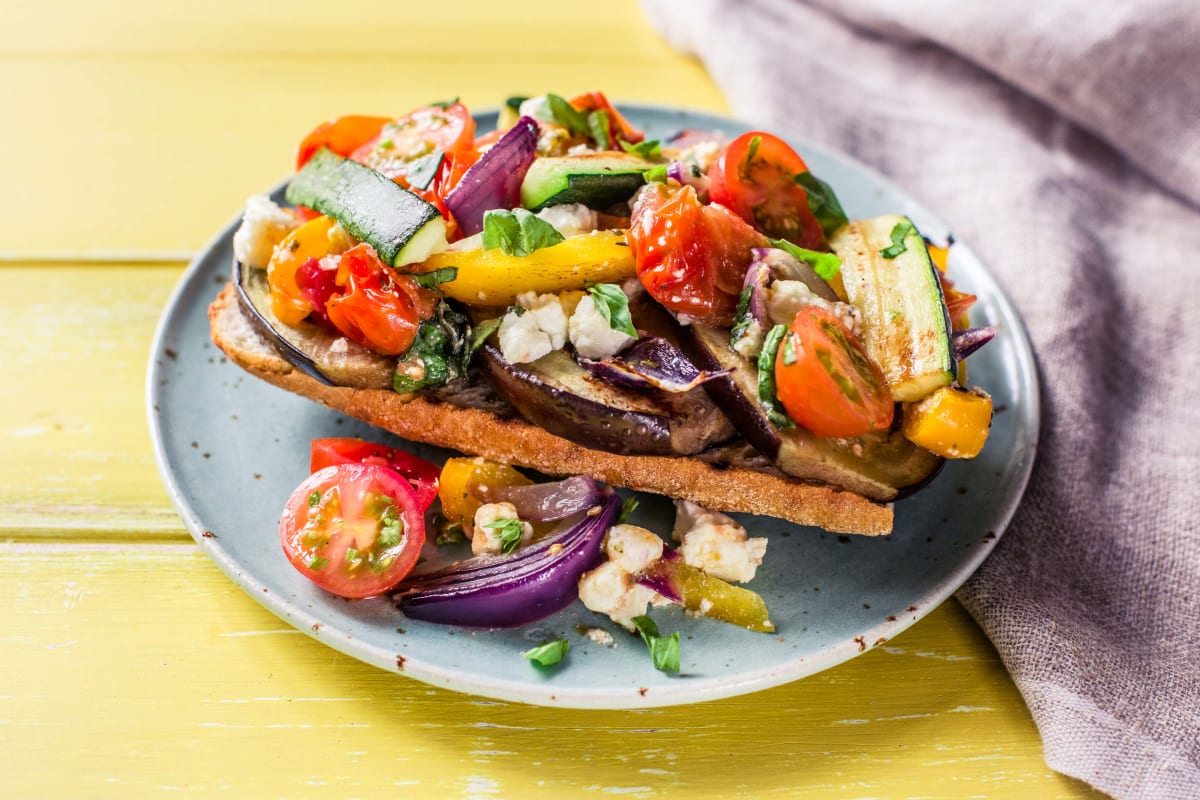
column 543, row 693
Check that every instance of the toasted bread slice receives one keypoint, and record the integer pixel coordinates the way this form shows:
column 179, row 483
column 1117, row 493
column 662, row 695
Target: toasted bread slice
column 720, row 484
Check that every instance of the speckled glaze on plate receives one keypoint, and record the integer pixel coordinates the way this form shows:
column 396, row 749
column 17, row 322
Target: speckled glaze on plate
column 231, row 449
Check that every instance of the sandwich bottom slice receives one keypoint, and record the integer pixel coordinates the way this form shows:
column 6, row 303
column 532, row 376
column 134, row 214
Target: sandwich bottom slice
column 728, row 479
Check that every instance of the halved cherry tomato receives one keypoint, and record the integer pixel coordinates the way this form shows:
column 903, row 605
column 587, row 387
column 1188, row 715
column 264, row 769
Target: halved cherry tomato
column 755, row 176
column 343, row 136
column 379, row 309
column 422, row 474
column 690, row 257
column 353, row 529
column 618, row 126
column 314, row 239
column 433, row 128
column 826, row 381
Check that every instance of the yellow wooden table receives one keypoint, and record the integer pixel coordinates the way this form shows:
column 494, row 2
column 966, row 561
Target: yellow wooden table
column 131, row 666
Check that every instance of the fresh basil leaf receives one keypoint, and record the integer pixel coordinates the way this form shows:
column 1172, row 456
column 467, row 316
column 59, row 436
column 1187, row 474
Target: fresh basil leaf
column 613, row 305
column 598, row 126
column 651, row 148
column 420, row 171
column 664, row 651
column 822, row 202
column 443, row 104
column 439, row 353
column 517, row 232
column 482, row 331
column 566, row 114
column 547, row 654
column 655, row 174
column 509, row 532
column 766, row 380
column 899, row 233
column 627, row 508
column 826, row 265
column 431, row 280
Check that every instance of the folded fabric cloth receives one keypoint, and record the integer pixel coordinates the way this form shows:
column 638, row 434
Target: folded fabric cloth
column 1062, row 141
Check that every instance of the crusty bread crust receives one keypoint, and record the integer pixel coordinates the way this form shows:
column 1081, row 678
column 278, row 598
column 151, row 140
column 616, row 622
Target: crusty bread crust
column 516, row 442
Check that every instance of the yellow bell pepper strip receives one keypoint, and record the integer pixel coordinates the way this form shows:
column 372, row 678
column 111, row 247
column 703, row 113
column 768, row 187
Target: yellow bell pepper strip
column 464, row 483
column 952, row 422
column 316, row 238
column 491, row 278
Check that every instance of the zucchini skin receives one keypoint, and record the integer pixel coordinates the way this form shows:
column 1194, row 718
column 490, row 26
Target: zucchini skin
column 596, row 180
column 369, row 205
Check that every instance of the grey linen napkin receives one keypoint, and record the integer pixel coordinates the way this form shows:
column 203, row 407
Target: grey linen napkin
column 1062, row 141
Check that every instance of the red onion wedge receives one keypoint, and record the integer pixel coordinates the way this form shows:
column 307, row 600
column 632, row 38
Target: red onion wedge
column 510, row 591
column 494, row 181
column 689, row 176
column 544, row 502
column 971, row 339
column 651, row 362
column 705, row 595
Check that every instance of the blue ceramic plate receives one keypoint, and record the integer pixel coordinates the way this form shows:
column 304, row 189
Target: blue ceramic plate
column 231, row 450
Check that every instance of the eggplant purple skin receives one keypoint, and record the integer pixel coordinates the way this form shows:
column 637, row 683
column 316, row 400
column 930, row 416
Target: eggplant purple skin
column 651, row 362
column 540, row 586
column 494, row 181
column 290, row 353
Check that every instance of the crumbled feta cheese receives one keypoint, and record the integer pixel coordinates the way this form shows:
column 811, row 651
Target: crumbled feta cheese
column 521, row 340
column 570, row 219
column 547, row 311
column 487, row 540
column 749, row 344
column 716, row 544
column 786, row 298
column 581, row 149
column 611, row 591
column 591, row 333
column 633, row 548
column 536, row 107
column 264, row 224
column 600, row 636
column 702, row 154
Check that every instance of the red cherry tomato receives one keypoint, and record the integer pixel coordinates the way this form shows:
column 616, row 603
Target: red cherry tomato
column 342, row 135
column 755, row 176
column 417, row 471
column 399, row 142
column 354, row 529
column 690, row 257
column 618, row 126
column 379, row 309
column 826, row 381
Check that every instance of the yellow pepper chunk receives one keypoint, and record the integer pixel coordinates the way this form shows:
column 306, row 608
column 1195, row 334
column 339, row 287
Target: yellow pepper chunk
column 464, row 484
column 952, row 422
column 491, row 278
column 316, row 238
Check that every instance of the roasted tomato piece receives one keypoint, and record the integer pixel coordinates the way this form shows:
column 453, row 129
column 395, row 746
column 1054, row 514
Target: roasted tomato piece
column 379, row 308
column 826, row 381
column 314, row 239
column 422, row 474
column 354, row 529
column 690, row 257
column 343, row 136
column 618, row 126
column 401, row 142
column 755, row 176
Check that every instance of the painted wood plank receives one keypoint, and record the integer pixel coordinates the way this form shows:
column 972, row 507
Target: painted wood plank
column 144, row 671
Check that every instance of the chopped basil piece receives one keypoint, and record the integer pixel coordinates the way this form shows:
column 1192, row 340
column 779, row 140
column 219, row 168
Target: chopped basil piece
column 317, row 563
column 547, row 654
column 439, row 353
column 482, row 331
column 352, row 555
column 509, row 532
column 752, row 149
column 313, row 499
column 420, row 171
column 566, row 115
column 598, row 126
column 444, row 104
column 742, row 318
column 647, row 149
column 822, row 202
column 664, row 651
column 899, row 233
column 613, row 305
column 826, row 265
column 627, row 508
column 517, row 232
column 386, row 144
column 431, row 280
column 449, row 532
column 655, row 174
column 766, row 380
column 788, row 351
column 392, row 529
